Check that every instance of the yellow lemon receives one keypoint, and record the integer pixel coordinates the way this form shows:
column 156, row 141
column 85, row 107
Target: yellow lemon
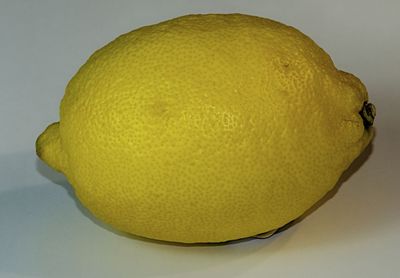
column 207, row 128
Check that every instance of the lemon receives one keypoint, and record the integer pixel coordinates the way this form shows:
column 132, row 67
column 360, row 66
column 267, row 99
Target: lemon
column 207, row 128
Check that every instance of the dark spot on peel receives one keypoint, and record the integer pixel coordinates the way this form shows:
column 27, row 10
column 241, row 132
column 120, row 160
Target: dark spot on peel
column 368, row 113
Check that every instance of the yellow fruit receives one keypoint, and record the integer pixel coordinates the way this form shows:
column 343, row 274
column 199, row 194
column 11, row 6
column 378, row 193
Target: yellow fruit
column 207, row 128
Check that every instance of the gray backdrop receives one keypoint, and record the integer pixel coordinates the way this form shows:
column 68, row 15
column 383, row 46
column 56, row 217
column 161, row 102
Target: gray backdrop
column 44, row 232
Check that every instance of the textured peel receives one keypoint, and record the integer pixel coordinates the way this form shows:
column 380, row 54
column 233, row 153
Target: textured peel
column 206, row 128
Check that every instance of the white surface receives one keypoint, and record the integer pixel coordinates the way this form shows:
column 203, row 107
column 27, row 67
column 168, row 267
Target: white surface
column 45, row 233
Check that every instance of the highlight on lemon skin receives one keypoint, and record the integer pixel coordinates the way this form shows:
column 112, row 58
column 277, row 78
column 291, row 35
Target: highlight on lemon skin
column 207, row 128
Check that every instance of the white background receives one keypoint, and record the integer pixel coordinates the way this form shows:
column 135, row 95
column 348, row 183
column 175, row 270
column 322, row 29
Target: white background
column 44, row 232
